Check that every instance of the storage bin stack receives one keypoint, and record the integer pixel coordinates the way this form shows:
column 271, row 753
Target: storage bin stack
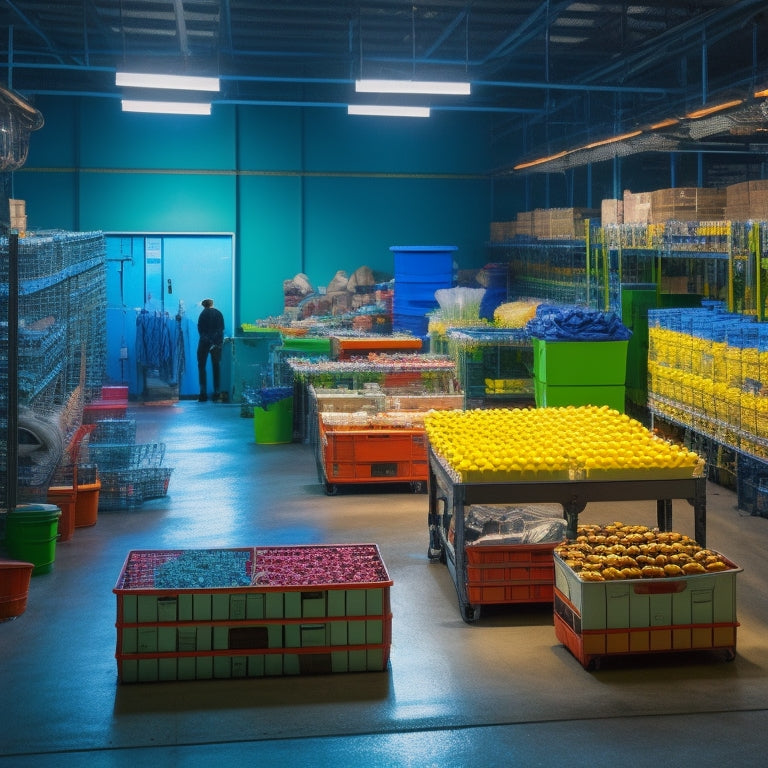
column 419, row 272
column 61, row 347
column 130, row 473
column 579, row 357
column 252, row 612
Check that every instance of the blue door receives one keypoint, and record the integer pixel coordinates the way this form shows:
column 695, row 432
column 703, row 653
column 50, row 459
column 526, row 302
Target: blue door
column 155, row 286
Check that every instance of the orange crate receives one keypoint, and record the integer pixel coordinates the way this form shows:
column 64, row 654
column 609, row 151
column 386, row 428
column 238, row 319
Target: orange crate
column 526, row 592
column 346, row 349
column 589, row 646
column 510, row 573
column 375, row 445
column 381, row 471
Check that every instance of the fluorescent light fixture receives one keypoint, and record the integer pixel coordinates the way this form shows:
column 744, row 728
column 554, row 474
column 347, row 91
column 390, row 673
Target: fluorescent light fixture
column 704, row 111
column 385, row 111
column 167, row 107
column 412, row 86
column 612, row 140
column 539, row 161
column 663, row 123
column 169, row 82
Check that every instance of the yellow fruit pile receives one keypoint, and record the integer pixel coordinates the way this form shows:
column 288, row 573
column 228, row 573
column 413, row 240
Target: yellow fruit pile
column 617, row 551
column 515, row 314
column 583, row 442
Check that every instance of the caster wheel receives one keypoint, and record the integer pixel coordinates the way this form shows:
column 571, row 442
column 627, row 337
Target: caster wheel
column 436, row 555
column 331, row 489
column 418, row 487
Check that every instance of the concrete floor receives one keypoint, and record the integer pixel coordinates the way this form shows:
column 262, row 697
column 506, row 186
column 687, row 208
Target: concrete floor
column 500, row 692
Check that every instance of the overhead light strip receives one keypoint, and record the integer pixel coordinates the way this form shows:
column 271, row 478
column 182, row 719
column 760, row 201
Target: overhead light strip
column 704, row 111
column 167, row 107
column 380, row 110
column 413, row 86
column 168, row 82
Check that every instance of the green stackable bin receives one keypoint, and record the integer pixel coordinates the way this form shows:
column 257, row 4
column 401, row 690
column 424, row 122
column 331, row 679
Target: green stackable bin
column 274, row 424
column 30, row 535
column 580, row 373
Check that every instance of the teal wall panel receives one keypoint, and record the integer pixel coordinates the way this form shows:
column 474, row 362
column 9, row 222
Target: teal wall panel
column 311, row 190
column 351, row 222
column 51, row 199
column 147, row 202
column 270, row 139
column 55, row 144
column 444, row 143
column 110, row 138
column 269, row 242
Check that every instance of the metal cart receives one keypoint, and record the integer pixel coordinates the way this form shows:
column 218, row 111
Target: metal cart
column 448, row 499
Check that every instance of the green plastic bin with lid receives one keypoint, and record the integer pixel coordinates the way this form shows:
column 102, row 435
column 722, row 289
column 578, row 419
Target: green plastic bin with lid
column 30, row 534
column 274, row 424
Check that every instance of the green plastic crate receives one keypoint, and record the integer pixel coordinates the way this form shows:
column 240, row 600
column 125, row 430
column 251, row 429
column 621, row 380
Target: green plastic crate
column 554, row 396
column 580, row 362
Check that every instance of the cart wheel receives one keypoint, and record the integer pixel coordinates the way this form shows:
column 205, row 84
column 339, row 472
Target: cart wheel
column 418, row 486
column 471, row 613
column 331, row 489
column 436, row 555
column 730, row 654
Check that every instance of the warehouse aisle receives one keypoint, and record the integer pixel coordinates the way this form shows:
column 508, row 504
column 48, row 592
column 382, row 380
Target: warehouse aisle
column 500, row 692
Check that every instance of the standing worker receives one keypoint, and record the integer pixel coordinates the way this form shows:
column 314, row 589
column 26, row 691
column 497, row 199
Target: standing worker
column 210, row 326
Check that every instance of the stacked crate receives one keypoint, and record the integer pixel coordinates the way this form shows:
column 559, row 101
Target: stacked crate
column 130, row 473
column 597, row 619
column 252, row 612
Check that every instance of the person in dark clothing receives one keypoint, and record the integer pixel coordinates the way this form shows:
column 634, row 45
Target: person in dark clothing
column 210, row 326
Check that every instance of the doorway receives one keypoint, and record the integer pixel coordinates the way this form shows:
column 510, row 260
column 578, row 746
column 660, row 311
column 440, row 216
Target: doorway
column 155, row 286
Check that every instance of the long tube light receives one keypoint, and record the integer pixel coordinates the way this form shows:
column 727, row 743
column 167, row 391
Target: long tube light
column 412, row 86
column 169, row 82
column 704, row 111
column 381, row 110
column 167, row 107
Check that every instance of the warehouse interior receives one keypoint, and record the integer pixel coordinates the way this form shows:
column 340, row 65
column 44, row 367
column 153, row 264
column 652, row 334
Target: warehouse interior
column 607, row 159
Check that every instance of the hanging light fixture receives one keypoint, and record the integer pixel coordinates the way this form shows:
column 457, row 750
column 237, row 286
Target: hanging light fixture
column 167, row 82
column 413, row 86
column 167, row 107
column 383, row 110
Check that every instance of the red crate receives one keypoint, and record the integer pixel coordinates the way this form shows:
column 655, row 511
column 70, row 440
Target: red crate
column 510, row 573
column 385, row 455
column 589, row 646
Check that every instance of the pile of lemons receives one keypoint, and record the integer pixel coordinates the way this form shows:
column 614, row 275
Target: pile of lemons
column 553, row 443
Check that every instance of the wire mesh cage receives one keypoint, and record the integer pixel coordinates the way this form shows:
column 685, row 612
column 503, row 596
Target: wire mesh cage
column 61, row 348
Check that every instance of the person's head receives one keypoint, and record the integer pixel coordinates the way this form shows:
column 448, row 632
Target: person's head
column 207, row 303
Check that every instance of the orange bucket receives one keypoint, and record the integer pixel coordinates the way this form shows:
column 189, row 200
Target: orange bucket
column 14, row 587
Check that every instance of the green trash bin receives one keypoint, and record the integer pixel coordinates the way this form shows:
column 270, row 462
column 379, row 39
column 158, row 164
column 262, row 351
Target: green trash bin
column 273, row 424
column 30, row 535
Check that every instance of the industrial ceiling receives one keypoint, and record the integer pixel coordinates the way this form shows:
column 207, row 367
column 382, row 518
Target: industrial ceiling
column 553, row 75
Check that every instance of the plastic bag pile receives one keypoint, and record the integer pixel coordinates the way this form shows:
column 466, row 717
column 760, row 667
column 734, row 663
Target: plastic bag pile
column 553, row 323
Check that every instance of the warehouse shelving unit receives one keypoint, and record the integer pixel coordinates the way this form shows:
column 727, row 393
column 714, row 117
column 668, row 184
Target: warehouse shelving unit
column 61, row 353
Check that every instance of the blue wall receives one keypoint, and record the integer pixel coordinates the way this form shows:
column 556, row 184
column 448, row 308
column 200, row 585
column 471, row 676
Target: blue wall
column 309, row 191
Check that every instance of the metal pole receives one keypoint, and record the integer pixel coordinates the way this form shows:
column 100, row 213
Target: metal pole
column 12, row 439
